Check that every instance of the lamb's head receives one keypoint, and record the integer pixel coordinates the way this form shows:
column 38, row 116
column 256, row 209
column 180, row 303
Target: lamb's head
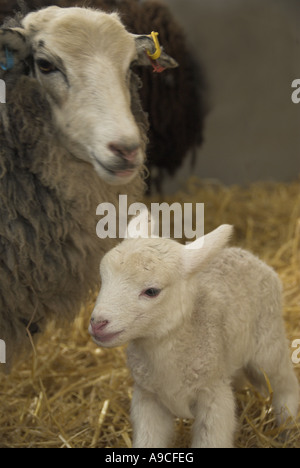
column 82, row 58
column 147, row 284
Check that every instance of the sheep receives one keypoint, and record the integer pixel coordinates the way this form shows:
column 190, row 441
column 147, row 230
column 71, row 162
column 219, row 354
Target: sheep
column 73, row 134
column 176, row 101
column 195, row 318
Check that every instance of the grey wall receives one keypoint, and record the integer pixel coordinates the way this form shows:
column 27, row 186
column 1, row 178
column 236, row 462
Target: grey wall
column 251, row 52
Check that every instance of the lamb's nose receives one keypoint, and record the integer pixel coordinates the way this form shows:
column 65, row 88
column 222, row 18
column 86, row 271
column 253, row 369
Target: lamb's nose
column 128, row 152
column 98, row 326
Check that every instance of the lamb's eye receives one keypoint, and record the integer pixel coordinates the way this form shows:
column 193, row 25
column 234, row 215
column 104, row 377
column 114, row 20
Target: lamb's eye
column 151, row 292
column 45, row 66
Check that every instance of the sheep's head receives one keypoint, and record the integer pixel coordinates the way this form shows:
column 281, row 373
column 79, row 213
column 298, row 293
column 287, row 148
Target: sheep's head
column 147, row 284
column 82, row 58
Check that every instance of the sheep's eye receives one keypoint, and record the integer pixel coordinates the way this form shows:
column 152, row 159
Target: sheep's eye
column 151, row 292
column 45, row 66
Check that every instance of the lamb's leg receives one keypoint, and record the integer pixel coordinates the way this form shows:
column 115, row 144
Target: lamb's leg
column 278, row 368
column 152, row 422
column 286, row 395
column 215, row 423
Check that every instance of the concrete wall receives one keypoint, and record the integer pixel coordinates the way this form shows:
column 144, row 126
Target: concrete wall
column 251, row 52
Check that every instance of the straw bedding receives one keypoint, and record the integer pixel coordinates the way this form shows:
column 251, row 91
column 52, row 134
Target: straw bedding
column 69, row 393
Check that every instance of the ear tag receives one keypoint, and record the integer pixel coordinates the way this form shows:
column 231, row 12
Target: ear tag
column 157, row 52
column 155, row 56
column 9, row 60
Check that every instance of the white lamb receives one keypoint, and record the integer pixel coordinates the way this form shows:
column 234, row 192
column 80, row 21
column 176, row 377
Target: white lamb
column 194, row 317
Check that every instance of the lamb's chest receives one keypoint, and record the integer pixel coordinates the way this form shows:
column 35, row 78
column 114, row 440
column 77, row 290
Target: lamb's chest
column 173, row 385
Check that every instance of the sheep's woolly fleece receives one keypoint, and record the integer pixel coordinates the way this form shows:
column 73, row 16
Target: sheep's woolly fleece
column 49, row 249
column 71, row 393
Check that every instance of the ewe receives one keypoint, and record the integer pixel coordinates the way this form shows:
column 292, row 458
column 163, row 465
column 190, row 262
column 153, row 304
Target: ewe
column 73, row 135
column 195, row 317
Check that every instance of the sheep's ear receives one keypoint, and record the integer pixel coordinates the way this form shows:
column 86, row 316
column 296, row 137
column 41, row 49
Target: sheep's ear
column 146, row 47
column 14, row 47
column 205, row 248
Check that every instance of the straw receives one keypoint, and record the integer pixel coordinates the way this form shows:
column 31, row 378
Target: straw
column 70, row 393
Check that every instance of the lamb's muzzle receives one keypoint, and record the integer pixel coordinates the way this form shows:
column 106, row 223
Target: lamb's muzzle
column 96, row 327
column 99, row 333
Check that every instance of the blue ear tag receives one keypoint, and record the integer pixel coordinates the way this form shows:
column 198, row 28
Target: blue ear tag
column 9, row 60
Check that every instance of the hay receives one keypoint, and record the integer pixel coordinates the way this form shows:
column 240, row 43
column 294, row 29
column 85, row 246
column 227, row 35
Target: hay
column 70, row 393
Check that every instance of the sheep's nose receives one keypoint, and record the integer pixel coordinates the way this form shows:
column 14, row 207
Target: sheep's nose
column 124, row 151
column 98, row 326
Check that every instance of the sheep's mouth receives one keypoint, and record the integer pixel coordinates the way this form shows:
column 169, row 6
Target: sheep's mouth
column 124, row 170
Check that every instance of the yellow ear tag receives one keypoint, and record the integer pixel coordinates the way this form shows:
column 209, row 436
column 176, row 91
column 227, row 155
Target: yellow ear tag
column 157, row 52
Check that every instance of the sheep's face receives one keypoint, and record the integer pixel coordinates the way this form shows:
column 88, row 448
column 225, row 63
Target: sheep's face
column 140, row 293
column 82, row 59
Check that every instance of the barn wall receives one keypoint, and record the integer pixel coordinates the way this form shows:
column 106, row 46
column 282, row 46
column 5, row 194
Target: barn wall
column 251, row 52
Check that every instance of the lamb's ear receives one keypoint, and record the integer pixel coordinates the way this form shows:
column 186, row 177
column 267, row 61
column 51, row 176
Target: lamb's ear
column 146, row 48
column 205, row 248
column 14, row 47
